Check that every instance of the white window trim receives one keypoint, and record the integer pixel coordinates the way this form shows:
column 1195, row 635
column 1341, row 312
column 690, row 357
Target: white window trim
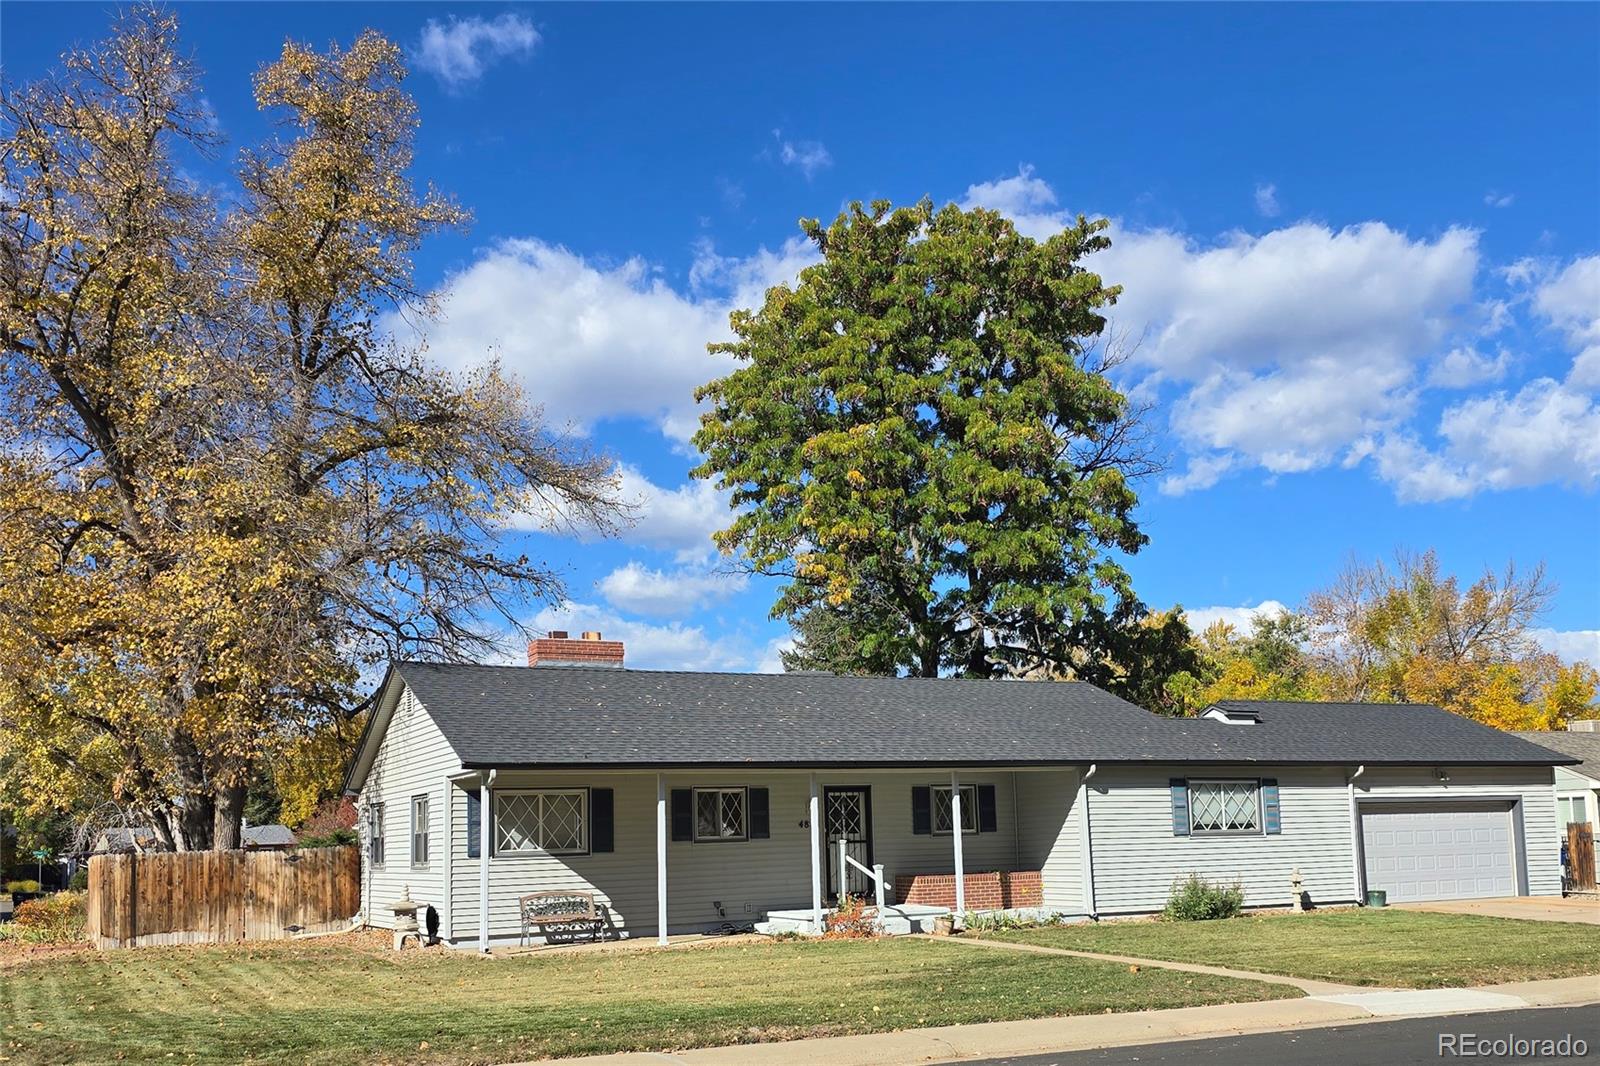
column 744, row 814
column 1261, row 819
column 424, row 833
column 377, row 847
column 583, row 820
column 1588, row 802
column 969, row 810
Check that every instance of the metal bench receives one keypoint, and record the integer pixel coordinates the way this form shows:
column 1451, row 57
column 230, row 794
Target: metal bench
column 568, row 914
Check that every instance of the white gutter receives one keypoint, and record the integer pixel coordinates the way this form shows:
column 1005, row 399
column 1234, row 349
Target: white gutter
column 1086, row 843
column 1356, row 872
column 484, row 818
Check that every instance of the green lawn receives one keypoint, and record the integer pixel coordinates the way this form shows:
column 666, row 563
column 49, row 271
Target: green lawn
column 1408, row 949
column 340, row 1004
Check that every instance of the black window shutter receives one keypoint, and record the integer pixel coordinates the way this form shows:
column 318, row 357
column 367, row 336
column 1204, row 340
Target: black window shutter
column 1180, row 806
column 682, row 814
column 988, row 815
column 760, row 815
column 921, row 810
column 602, row 820
column 474, row 824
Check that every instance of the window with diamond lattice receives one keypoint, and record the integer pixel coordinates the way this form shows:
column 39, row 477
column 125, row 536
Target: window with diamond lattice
column 719, row 814
column 1224, row 806
column 552, row 821
column 941, row 809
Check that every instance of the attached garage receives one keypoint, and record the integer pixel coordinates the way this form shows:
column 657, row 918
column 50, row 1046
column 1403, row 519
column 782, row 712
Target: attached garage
column 1417, row 851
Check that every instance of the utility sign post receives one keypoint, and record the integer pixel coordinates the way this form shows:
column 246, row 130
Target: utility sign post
column 40, row 855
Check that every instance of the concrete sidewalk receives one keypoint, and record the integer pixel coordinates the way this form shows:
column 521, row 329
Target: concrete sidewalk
column 1042, row 1035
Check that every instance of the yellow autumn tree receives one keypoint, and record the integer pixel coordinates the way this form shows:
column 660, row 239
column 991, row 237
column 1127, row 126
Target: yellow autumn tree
column 224, row 493
column 1407, row 632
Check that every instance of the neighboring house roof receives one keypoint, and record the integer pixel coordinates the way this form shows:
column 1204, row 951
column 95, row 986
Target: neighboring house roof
column 119, row 839
column 1584, row 747
column 532, row 717
column 267, row 836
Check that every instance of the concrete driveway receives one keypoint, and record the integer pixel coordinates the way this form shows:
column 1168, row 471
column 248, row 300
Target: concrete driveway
column 1531, row 908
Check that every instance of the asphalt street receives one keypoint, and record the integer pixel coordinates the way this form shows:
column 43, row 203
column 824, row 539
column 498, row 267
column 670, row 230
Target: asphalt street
column 1408, row 1042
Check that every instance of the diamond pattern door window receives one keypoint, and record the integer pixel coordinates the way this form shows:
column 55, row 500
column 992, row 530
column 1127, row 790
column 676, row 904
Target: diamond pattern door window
column 1224, row 806
column 845, row 816
column 719, row 814
column 552, row 821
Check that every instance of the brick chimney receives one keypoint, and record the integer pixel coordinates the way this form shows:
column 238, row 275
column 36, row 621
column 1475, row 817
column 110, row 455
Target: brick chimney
column 559, row 649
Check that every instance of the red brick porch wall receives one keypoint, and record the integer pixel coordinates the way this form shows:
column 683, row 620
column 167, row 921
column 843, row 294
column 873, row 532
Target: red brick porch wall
column 988, row 891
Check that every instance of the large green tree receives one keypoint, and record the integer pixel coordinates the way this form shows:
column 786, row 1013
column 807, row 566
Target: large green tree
column 223, row 492
column 922, row 437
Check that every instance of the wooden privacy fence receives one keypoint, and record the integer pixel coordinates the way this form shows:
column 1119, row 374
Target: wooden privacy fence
column 220, row 896
column 1580, row 855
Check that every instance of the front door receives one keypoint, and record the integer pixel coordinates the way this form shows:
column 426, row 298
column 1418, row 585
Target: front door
column 847, row 816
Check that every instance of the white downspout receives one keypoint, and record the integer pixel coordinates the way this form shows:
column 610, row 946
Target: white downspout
column 485, row 816
column 955, row 835
column 1086, row 844
column 815, row 820
column 1355, row 835
column 661, row 859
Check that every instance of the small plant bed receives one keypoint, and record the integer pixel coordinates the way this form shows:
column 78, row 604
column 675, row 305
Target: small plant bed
column 345, row 1002
column 1405, row 949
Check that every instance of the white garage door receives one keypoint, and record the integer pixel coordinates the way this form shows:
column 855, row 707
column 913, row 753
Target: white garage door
column 1445, row 850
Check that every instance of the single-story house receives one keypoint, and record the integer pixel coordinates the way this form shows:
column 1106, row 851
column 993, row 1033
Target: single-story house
column 685, row 801
column 1577, row 784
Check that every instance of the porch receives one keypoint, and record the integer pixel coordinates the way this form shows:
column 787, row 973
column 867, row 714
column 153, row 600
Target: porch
column 685, row 852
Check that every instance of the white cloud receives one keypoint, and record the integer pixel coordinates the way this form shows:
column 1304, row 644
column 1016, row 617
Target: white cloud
column 1570, row 645
column 808, row 157
column 1240, row 618
column 459, row 51
column 771, row 661
column 1028, row 201
column 1267, row 200
column 1291, row 350
column 643, row 590
column 1495, row 198
column 680, row 520
column 647, row 646
column 1570, row 301
column 592, row 341
column 1461, row 368
column 1544, row 433
column 1203, row 472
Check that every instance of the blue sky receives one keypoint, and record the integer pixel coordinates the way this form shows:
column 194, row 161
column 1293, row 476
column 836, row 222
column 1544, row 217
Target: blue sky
column 1360, row 247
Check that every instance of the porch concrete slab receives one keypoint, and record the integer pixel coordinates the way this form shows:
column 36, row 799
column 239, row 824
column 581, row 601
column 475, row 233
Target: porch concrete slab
column 1308, row 986
column 1529, row 908
column 1393, row 1003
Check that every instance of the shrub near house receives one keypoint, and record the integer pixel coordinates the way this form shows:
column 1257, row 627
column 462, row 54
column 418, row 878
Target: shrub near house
column 1198, row 900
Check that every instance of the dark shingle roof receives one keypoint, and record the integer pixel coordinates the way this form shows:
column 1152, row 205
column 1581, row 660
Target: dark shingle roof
column 500, row 716
column 1585, row 747
column 266, row 836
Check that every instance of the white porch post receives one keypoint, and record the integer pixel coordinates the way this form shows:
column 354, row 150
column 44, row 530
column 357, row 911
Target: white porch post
column 484, row 818
column 815, row 820
column 661, row 859
column 955, row 835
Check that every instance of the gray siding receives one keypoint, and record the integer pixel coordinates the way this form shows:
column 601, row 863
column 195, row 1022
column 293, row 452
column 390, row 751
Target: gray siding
column 414, row 759
column 748, row 877
column 1531, row 785
column 1137, row 857
column 1051, row 827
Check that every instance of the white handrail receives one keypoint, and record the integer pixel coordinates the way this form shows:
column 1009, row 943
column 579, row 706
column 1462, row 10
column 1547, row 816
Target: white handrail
column 876, row 873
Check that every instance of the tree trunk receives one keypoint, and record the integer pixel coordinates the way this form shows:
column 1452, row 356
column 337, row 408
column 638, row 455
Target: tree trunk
column 228, row 812
column 193, row 820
